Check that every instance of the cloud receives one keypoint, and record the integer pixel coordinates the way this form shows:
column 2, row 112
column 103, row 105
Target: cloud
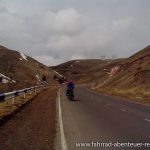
column 76, row 57
column 66, row 21
column 3, row 10
column 54, row 31
column 48, row 60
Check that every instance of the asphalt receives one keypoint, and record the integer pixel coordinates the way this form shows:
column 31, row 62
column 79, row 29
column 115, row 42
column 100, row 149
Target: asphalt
column 105, row 121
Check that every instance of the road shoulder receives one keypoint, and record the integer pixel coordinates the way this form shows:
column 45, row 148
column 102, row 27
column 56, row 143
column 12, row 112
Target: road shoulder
column 34, row 127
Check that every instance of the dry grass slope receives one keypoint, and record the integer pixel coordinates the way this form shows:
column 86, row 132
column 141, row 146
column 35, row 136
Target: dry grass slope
column 22, row 71
column 87, row 71
column 133, row 78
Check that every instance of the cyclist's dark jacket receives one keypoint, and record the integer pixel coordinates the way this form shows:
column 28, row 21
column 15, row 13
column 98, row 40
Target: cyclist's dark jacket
column 70, row 85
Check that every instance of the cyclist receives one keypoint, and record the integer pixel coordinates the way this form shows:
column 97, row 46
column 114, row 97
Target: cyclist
column 70, row 88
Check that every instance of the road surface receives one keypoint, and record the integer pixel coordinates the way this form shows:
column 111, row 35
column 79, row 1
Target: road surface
column 92, row 120
column 102, row 121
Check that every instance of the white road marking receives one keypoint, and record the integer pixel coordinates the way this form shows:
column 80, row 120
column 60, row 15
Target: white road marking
column 62, row 135
column 148, row 120
column 123, row 110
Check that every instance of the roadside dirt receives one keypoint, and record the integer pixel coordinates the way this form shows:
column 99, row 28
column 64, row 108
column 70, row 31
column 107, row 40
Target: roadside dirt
column 7, row 108
column 34, row 127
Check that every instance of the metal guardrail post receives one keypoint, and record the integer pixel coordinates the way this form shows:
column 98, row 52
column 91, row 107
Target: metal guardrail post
column 35, row 90
column 24, row 95
column 13, row 100
column 38, row 88
column 14, row 94
column 30, row 91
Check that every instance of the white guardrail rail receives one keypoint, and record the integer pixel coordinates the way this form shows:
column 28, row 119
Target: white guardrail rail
column 23, row 92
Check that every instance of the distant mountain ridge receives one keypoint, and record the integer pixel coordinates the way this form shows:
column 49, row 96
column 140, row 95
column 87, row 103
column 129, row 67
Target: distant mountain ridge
column 88, row 70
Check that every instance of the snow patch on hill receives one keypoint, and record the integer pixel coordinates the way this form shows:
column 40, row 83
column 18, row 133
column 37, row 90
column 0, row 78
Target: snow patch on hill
column 57, row 73
column 23, row 56
column 37, row 76
column 5, row 79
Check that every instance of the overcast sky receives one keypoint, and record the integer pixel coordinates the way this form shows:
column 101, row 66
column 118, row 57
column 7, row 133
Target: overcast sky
column 54, row 31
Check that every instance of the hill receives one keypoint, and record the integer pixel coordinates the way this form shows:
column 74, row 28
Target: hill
column 86, row 71
column 131, row 78
column 19, row 71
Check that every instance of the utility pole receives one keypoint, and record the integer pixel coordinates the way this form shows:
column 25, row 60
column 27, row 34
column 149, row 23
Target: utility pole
column 102, row 58
column 113, row 57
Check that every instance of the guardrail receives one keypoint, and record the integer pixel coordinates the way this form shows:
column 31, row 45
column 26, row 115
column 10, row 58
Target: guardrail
column 14, row 94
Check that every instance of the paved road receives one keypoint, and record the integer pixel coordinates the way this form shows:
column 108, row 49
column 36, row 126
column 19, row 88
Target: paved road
column 98, row 118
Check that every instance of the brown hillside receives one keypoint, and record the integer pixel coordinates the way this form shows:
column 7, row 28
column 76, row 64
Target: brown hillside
column 128, row 77
column 24, row 72
column 134, row 71
column 87, row 71
column 133, row 77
